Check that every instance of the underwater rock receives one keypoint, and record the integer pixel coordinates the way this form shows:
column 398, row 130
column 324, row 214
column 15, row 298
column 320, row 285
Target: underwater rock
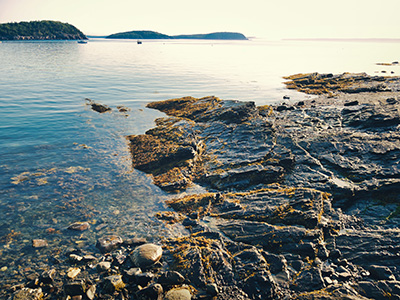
column 39, row 243
column 108, row 243
column 79, row 226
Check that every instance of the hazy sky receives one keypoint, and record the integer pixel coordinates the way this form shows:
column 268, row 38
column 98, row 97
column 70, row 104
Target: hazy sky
column 272, row 19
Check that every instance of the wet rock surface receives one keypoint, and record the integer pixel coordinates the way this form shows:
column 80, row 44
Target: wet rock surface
column 302, row 198
column 315, row 83
column 301, row 202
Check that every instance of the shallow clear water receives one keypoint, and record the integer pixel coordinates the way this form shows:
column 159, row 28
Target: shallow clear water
column 61, row 162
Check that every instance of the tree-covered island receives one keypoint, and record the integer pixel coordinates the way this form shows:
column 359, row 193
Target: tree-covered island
column 142, row 34
column 40, row 30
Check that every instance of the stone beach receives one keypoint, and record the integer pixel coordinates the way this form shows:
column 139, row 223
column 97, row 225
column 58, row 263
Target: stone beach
column 301, row 202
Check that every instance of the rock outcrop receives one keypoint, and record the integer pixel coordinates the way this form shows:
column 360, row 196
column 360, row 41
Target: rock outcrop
column 302, row 201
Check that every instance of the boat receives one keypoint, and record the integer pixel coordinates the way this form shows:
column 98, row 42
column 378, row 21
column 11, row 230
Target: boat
column 139, row 42
column 82, row 42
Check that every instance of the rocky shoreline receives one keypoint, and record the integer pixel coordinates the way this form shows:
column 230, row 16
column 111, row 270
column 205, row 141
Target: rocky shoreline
column 302, row 202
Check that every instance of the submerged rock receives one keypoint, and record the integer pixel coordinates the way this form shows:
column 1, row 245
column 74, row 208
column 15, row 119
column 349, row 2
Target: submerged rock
column 108, row 243
column 79, row 226
column 39, row 243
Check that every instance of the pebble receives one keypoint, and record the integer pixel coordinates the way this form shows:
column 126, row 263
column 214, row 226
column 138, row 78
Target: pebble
column 108, row 243
column 153, row 291
column 103, row 266
column 74, row 258
column 39, row 243
column 212, row 289
column 146, row 255
column 3, row 269
column 89, row 257
column 79, row 226
column 130, row 275
column 178, row 294
column 344, row 275
column 101, row 226
column 28, row 294
column 143, row 279
column 73, row 272
column 74, row 288
column 113, row 284
column 91, row 292
column 47, row 277
column 171, row 278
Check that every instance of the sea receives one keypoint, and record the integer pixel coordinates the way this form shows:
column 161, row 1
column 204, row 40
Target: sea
column 61, row 162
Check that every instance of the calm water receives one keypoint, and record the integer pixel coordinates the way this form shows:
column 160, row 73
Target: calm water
column 60, row 162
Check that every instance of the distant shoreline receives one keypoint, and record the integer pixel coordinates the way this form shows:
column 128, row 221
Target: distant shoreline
column 391, row 40
column 147, row 34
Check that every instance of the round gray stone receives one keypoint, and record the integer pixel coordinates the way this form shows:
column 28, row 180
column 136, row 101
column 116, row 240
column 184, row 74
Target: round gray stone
column 146, row 255
column 178, row 294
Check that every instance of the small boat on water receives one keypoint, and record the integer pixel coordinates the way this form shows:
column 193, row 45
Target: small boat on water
column 82, row 42
column 139, row 42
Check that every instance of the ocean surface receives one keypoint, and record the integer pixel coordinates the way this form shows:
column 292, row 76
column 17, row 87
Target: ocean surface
column 61, row 162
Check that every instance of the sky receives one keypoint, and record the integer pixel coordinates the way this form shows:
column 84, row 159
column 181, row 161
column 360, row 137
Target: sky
column 271, row 19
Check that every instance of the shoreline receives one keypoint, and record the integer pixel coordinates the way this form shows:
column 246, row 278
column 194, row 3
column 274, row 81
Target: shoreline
column 301, row 201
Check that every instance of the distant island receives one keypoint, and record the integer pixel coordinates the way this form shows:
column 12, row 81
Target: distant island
column 143, row 34
column 40, row 30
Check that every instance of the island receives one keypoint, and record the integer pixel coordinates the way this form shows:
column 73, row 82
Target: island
column 40, row 30
column 143, row 34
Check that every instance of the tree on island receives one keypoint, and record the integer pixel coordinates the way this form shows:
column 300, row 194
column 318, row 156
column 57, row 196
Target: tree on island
column 40, row 30
column 143, row 34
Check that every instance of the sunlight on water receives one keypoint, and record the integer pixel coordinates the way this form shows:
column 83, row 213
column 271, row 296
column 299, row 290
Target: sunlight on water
column 61, row 162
